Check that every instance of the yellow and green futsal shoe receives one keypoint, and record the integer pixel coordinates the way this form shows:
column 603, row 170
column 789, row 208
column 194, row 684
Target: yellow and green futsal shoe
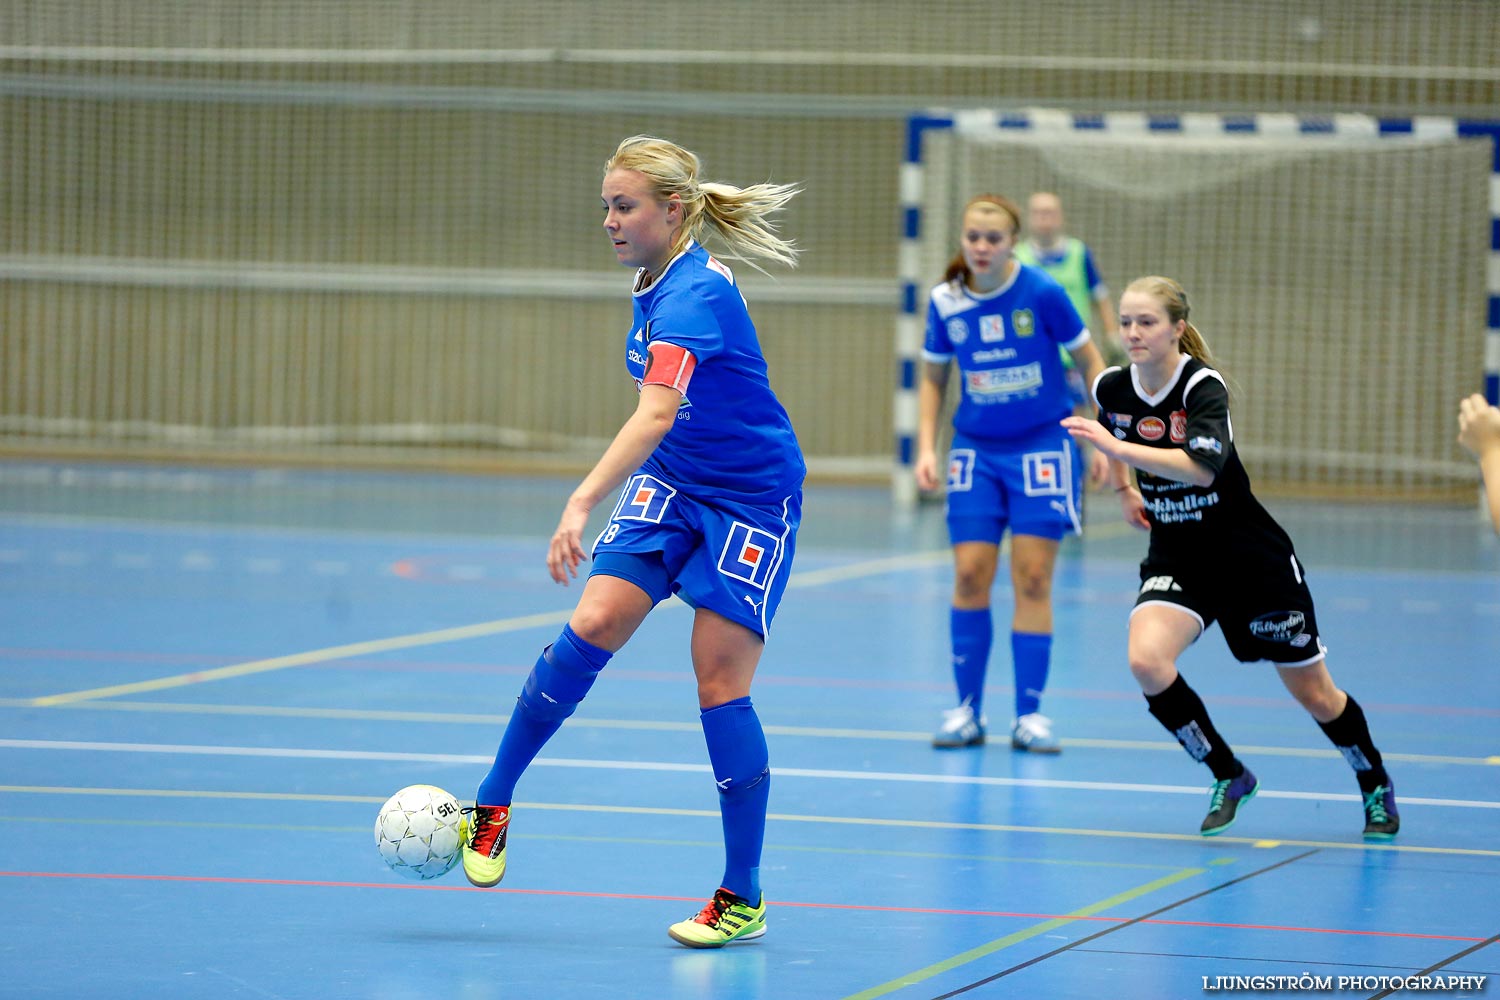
column 726, row 918
column 484, row 844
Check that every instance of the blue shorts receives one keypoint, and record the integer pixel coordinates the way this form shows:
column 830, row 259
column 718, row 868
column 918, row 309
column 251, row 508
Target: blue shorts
column 1032, row 485
column 731, row 558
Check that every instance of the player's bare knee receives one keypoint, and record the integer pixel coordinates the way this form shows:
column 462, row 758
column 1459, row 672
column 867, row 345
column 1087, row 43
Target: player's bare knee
column 719, row 687
column 712, row 693
column 1153, row 672
column 1033, row 585
column 972, row 585
column 1323, row 702
column 601, row 624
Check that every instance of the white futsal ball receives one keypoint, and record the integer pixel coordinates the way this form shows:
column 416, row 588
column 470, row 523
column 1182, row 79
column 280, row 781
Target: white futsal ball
column 419, row 831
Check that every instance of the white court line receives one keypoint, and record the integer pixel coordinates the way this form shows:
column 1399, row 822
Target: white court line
column 658, row 726
column 623, row 765
column 314, row 656
column 433, row 637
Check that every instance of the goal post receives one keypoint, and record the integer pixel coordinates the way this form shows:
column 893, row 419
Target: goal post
column 1345, row 269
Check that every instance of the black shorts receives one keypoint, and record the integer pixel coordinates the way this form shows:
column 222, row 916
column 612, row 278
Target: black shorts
column 1263, row 607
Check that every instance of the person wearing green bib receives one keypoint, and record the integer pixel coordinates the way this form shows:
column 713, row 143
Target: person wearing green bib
column 1069, row 261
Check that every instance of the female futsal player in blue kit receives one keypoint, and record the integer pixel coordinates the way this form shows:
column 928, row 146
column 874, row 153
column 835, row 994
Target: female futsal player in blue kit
column 712, row 497
column 1011, row 464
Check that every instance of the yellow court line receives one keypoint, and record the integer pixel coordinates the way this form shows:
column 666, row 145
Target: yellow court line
column 870, row 567
column 1124, row 834
column 812, row 579
column 964, row 958
column 658, row 726
column 910, row 824
column 312, row 656
column 643, row 841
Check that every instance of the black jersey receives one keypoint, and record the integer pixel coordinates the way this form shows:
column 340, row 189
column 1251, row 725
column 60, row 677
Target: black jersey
column 1190, row 412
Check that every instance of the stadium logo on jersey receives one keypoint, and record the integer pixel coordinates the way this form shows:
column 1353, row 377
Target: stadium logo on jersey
column 1119, row 419
column 1207, row 445
column 958, row 330
column 1023, row 322
column 638, row 336
column 644, row 498
column 991, row 329
column 1279, row 626
column 748, row 554
column 1004, row 381
column 1151, row 428
column 960, row 470
column 1046, row 474
column 1179, row 426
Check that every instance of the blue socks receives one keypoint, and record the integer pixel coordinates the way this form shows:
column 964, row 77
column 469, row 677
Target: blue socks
column 1030, row 654
column 736, row 749
column 972, row 634
column 741, row 765
column 562, row 676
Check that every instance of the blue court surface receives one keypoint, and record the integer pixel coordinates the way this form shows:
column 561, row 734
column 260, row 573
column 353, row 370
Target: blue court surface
column 213, row 678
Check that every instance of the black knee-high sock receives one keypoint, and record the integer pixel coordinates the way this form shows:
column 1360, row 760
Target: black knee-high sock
column 1351, row 734
column 1182, row 712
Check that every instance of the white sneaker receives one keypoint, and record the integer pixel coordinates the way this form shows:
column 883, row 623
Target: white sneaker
column 960, row 728
column 1033, row 734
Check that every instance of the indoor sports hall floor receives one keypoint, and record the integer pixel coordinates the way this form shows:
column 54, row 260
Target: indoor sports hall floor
column 211, row 679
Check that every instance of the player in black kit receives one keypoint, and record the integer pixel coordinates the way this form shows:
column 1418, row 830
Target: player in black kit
column 1215, row 553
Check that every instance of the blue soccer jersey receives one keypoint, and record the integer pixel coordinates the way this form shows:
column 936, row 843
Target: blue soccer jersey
column 732, row 439
column 1005, row 343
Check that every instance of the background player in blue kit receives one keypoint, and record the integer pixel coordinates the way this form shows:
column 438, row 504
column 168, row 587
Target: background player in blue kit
column 712, row 497
column 1011, row 465
column 1215, row 553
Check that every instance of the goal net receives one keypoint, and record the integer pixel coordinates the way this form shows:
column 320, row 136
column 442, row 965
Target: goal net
column 1336, row 270
column 388, row 255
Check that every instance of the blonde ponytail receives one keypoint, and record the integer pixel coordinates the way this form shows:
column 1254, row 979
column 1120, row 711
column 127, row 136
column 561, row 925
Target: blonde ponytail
column 1193, row 343
column 736, row 216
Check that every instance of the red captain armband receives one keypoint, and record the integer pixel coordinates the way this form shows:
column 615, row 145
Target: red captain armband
column 669, row 365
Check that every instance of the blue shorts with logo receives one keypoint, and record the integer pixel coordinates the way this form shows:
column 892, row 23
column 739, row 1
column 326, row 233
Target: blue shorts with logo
column 1031, row 484
column 731, row 558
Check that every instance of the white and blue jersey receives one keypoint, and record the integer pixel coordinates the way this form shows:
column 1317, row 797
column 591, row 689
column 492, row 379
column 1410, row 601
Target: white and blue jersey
column 1005, row 343
column 733, row 439
column 1011, row 465
column 712, row 514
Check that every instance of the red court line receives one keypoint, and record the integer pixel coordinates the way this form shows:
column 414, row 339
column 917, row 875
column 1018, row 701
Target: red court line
column 423, row 886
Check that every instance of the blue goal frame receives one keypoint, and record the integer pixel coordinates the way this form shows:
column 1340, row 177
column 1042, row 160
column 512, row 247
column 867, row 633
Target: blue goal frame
column 909, row 319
